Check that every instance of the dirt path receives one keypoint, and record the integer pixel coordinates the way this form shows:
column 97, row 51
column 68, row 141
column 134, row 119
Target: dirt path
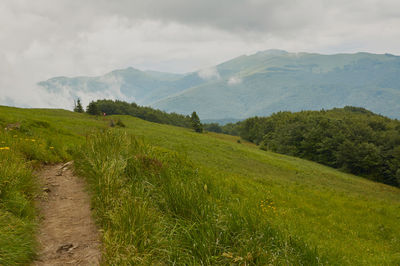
column 68, row 235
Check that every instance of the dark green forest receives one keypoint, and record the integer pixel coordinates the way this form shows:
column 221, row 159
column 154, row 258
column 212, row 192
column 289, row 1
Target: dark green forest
column 117, row 107
column 352, row 139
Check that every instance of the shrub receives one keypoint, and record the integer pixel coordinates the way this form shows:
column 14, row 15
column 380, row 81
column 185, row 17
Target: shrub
column 120, row 123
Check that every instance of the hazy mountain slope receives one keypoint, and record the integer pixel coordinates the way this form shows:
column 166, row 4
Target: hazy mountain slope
column 258, row 84
column 143, row 87
column 265, row 83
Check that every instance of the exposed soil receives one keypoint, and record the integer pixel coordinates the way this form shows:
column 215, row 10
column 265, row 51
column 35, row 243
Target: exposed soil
column 67, row 235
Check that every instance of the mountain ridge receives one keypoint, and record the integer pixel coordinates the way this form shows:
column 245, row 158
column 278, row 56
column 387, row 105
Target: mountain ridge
column 258, row 84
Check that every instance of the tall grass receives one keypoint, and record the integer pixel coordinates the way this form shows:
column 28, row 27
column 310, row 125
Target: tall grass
column 21, row 151
column 156, row 207
column 17, row 213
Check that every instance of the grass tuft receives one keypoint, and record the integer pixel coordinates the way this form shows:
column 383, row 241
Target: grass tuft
column 155, row 206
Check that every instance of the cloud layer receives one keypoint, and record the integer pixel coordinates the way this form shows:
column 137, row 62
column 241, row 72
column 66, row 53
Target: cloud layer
column 45, row 38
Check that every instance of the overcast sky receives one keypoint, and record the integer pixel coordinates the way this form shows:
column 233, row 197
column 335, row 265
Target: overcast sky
column 40, row 39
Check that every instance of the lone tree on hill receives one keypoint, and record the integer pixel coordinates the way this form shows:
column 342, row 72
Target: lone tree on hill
column 93, row 109
column 78, row 107
column 196, row 124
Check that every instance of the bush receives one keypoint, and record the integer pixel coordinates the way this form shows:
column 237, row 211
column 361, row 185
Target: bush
column 120, row 123
column 112, row 124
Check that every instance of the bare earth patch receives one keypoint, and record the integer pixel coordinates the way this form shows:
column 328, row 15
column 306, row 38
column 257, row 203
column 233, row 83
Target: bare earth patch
column 68, row 235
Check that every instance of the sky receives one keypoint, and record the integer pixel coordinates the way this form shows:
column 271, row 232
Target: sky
column 41, row 39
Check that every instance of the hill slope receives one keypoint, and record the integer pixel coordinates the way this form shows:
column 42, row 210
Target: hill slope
column 258, row 84
column 352, row 139
column 264, row 83
column 348, row 219
column 142, row 87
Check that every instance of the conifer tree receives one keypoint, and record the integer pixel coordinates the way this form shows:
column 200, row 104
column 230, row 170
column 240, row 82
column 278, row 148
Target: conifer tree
column 196, row 124
column 78, row 107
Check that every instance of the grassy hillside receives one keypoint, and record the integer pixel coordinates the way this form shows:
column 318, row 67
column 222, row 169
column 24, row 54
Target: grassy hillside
column 167, row 194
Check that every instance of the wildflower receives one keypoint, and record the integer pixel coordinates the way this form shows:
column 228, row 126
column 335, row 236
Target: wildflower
column 266, row 205
column 33, row 140
column 4, row 148
column 51, row 147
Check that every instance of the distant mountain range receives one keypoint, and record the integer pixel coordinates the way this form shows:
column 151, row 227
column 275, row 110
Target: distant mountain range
column 258, row 84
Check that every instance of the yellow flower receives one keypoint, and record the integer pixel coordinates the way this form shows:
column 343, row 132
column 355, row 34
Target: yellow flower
column 4, row 148
column 51, row 147
column 33, row 140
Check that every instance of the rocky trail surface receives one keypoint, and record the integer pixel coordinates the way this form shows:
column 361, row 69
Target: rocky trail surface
column 68, row 234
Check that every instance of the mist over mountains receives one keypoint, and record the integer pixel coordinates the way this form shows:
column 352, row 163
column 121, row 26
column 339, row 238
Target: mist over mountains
column 250, row 85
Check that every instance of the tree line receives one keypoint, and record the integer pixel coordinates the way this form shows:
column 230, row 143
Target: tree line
column 352, row 139
column 117, row 107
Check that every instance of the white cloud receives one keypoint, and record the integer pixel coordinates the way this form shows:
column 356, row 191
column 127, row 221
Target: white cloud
column 45, row 38
column 209, row 73
column 234, row 80
column 114, row 84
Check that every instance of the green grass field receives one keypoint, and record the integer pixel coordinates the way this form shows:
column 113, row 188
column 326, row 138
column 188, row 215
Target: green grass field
column 164, row 194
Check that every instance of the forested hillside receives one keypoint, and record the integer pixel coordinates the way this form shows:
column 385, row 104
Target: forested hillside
column 352, row 139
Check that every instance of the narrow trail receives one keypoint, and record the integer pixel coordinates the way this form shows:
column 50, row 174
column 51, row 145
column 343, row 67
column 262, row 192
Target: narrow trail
column 67, row 235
